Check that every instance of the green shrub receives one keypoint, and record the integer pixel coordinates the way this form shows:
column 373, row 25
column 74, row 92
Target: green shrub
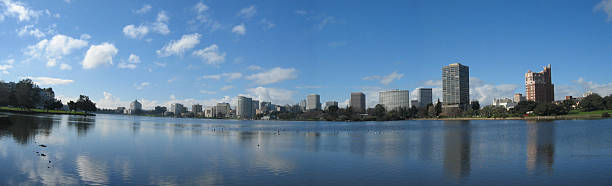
column 605, row 115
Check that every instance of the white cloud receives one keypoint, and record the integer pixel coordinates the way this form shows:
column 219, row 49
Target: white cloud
column 210, row 55
column 385, row 80
column 19, row 10
column 207, row 92
column 267, row 24
column 30, row 30
column 254, row 67
column 134, row 58
column 85, row 36
column 606, row 7
column 227, row 76
column 4, row 68
column 127, row 66
column 601, row 89
column 217, row 77
column 65, row 66
column 201, row 7
column 274, row 95
column 161, row 24
column 99, row 55
column 142, row 85
column 232, row 76
column 204, row 18
column 273, row 76
column 160, row 64
column 301, row 12
column 10, row 61
column 239, row 29
column 43, row 81
column 178, row 47
column 326, row 21
column 55, row 49
column 145, row 8
column 247, row 12
column 227, row 87
column 135, row 32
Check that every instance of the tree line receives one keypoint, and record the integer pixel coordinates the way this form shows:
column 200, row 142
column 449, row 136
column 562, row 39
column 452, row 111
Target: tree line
column 27, row 95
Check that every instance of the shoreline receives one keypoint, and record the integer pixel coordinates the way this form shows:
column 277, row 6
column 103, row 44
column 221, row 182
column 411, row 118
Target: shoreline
column 33, row 112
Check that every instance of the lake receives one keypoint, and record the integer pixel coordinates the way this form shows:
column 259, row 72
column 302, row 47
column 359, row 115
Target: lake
column 127, row 150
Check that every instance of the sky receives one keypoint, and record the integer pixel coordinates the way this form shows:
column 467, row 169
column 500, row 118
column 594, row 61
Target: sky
column 189, row 52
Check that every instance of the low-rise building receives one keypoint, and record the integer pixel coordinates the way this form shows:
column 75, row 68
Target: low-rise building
column 504, row 102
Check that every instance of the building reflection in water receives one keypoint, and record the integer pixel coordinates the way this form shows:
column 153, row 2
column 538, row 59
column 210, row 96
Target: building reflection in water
column 540, row 146
column 457, row 148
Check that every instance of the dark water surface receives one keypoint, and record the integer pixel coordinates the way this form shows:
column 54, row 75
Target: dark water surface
column 123, row 150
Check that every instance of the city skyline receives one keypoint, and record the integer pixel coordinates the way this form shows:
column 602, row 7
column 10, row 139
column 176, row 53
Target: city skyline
column 198, row 52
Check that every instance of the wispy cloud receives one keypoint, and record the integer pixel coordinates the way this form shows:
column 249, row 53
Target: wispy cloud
column 145, row 8
column 247, row 12
column 274, row 75
column 43, row 81
column 606, row 7
column 211, row 55
column 385, row 80
column 239, row 29
column 178, row 47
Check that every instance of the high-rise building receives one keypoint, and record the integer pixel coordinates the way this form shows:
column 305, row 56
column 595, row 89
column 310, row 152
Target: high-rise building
column 222, row 110
column 394, row 99
column 244, row 108
column 210, row 112
column 265, row 107
column 330, row 103
column 177, row 109
column 302, row 105
column 518, row 97
column 313, row 102
column 456, row 86
column 135, row 107
column 539, row 87
column 414, row 103
column 358, row 102
column 197, row 108
column 423, row 97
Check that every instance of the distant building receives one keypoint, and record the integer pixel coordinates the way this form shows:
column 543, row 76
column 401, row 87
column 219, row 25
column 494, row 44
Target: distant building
column 223, row 110
column 394, row 99
column 303, row 105
column 197, row 108
column 120, row 110
column 255, row 107
column 518, row 97
column 414, row 103
column 210, row 112
column 244, row 108
column 423, row 97
column 313, row 102
column 456, row 86
column 539, row 87
column 135, row 107
column 504, row 102
column 177, row 109
column 587, row 93
column 330, row 103
column 265, row 107
column 358, row 102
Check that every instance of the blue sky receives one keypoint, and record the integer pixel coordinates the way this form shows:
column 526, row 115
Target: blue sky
column 210, row 51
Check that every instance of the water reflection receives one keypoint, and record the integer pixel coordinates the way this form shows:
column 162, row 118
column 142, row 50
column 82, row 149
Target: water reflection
column 24, row 129
column 540, row 146
column 83, row 124
column 457, row 148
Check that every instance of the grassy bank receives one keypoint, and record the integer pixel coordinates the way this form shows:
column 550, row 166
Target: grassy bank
column 40, row 111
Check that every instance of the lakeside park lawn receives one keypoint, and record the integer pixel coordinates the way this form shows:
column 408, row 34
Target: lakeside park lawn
column 590, row 113
column 41, row 111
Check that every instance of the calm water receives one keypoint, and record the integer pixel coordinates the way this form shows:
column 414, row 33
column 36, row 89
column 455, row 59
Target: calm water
column 113, row 150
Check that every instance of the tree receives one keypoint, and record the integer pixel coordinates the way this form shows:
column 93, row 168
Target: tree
column 26, row 94
column 523, row 107
column 494, row 111
column 57, row 104
column 85, row 104
column 424, row 111
column 72, row 105
column 592, row 102
column 608, row 102
column 438, row 108
column 379, row 111
column 475, row 105
column 548, row 109
column 5, row 93
column 160, row 110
